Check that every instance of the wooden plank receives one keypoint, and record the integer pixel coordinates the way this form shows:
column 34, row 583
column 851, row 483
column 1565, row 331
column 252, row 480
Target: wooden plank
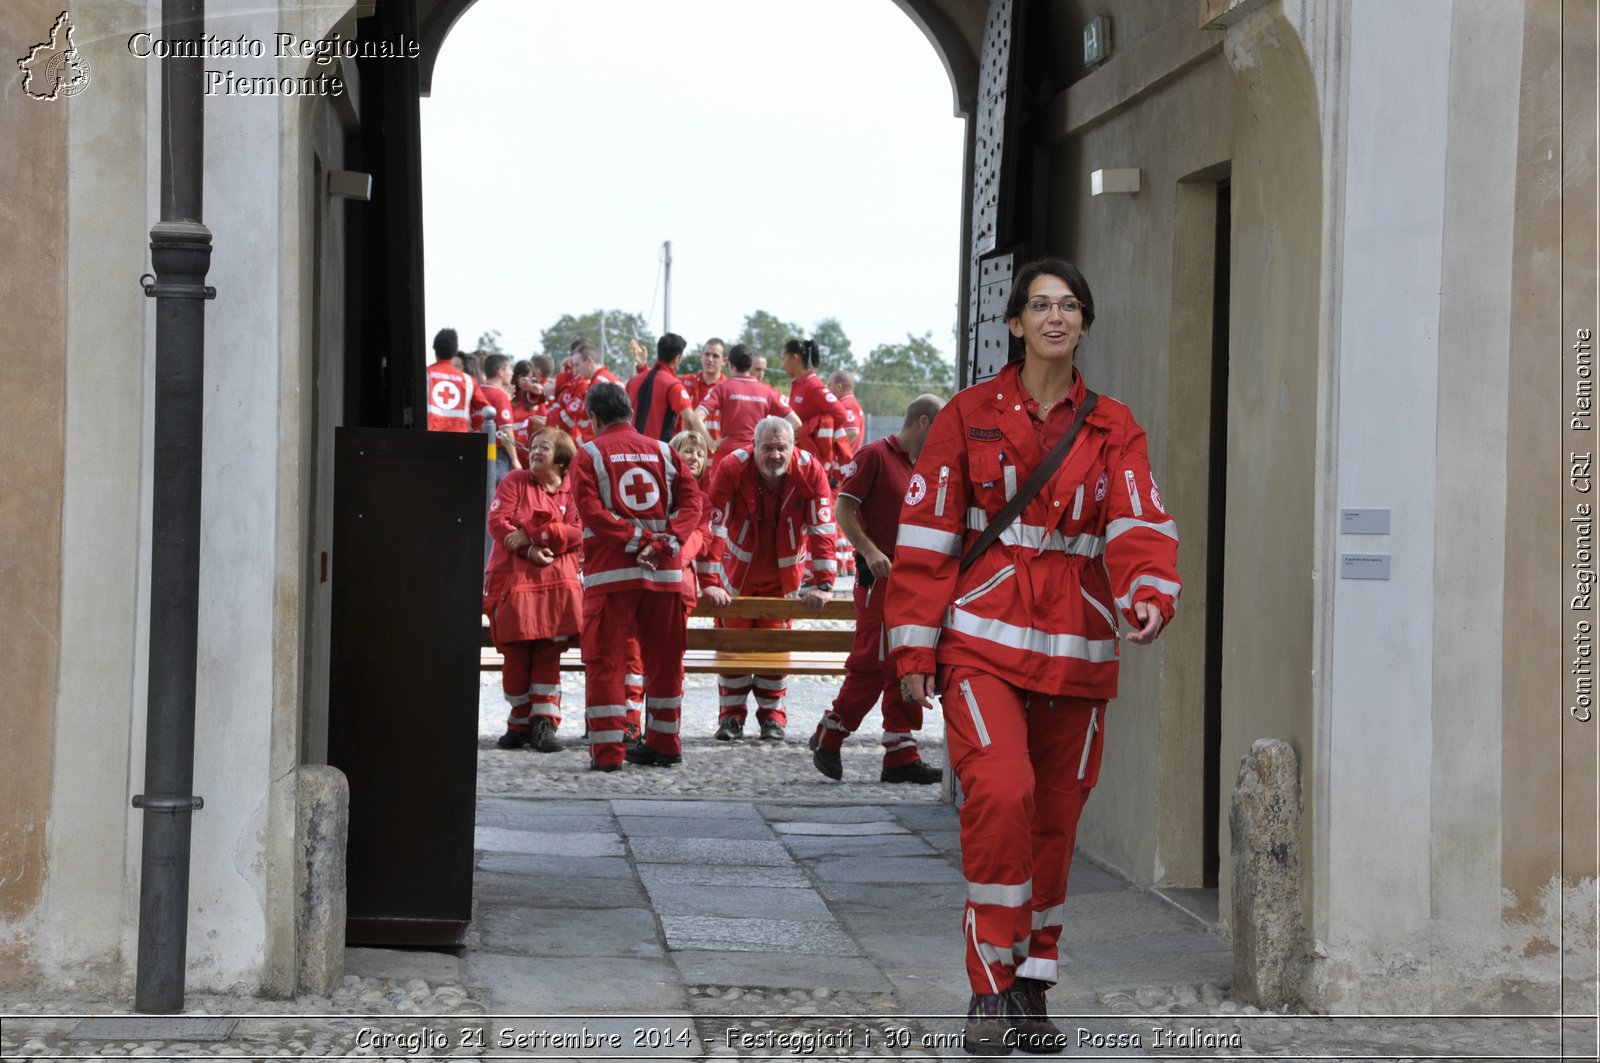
column 757, row 640
column 706, row 661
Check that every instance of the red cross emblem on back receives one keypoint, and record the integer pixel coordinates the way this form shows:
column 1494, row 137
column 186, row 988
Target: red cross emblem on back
column 446, row 395
column 638, row 489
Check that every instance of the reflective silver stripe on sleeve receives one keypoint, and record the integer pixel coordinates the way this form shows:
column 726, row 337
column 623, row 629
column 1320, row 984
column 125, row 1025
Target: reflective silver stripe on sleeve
column 824, row 566
column 1077, row 502
column 1032, row 640
column 1165, row 586
column 602, row 478
column 1133, row 492
column 1011, row 896
column 917, row 636
column 940, row 542
column 738, row 553
column 1168, row 528
column 822, row 529
column 944, row 484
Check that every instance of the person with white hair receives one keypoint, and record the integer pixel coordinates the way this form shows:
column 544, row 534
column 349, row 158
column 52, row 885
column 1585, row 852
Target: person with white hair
column 772, row 534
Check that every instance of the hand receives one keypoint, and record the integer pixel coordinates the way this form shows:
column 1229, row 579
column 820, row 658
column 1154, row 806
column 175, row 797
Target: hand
column 641, row 357
column 648, row 560
column 541, row 555
column 517, row 540
column 917, row 687
column 816, row 599
column 878, row 564
column 715, row 597
column 1150, row 617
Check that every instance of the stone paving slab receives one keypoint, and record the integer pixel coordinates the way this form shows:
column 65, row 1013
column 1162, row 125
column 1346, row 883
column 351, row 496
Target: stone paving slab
column 797, row 971
column 538, row 866
column 776, row 938
column 730, row 827
column 896, row 869
column 1087, row 876
column 809, row 847
column 532, row 815
column 709, row 851
column 400, row 964
column 945, row 897
column 577, row 932
column 803, row 905
column 1122, row 915
column 839, row 829
column 544, row 843
column 557, row 891
column 807, row 813
column 790, row 877
column 737, row 809
column 512, row 984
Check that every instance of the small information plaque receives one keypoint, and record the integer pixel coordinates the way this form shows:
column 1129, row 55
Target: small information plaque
column 1363, row 522
column 1363, row 566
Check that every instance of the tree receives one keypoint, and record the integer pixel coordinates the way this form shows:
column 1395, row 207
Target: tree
column 896, row 373
column 489, row 342
column 834, row 346
column 767, row 334
column 610, row 330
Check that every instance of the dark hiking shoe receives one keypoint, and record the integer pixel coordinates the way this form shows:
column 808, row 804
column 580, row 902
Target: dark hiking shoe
column 543, row 737
column 917, row 771
column 651, row 758
column 990, row 1018
column 827, row 761
column 512, row 740
column 771, row 732
column 1036, row 1033
column 730, row 728
column 596, row 766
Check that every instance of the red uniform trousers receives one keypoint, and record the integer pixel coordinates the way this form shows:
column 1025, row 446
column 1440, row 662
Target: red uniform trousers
column 868, row 675
column 608, row 621
column 734, row 690
column 1026, row 762
column 531, row 678
column 633, row 688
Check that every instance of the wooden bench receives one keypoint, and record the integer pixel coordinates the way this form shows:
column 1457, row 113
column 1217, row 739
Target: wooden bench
column 742, row 651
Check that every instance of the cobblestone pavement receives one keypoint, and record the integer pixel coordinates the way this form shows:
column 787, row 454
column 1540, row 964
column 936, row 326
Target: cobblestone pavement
column 741, row 905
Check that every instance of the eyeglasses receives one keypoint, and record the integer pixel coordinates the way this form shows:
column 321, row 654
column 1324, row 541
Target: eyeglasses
column 1068, row 305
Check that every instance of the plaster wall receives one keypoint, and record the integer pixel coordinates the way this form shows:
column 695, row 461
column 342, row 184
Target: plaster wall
column 1126, row 246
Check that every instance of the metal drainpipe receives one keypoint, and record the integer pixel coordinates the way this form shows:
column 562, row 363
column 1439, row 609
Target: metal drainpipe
column 180, row 250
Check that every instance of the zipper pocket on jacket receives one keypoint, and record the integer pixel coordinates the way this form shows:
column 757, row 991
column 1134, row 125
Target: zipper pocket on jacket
column 1110, row 620
column 1088, row 741
column 987, row 585
column 977, row 716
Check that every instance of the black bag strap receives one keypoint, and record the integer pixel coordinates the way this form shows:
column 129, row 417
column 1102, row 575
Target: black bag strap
column 1019, row 501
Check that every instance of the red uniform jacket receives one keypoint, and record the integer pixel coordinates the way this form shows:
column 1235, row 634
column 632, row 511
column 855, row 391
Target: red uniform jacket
column 737, row 405
column 843, row 448
column 658, row 396
column 805, row 528
column 453, row 399
column 821, row 416
column 1038, row 608
column 573, row 417
column 524, row 600
column 633, row 491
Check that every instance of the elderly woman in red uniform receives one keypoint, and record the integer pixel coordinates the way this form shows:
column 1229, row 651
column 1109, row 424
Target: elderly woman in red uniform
column 1005, row 602
column 531, row 592
column 822, row 415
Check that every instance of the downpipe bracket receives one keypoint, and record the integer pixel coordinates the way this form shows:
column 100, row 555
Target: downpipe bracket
column 174, row 805
column 156, row 290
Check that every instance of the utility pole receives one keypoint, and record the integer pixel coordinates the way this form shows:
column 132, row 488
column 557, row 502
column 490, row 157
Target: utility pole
column 180, row 251
column 666, row 297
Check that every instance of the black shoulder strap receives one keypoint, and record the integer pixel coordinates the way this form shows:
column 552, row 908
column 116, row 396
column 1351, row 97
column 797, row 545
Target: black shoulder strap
column 1035, row 483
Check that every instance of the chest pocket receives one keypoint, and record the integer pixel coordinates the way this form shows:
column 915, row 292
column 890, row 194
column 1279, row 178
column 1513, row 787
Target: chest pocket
column 993, row 474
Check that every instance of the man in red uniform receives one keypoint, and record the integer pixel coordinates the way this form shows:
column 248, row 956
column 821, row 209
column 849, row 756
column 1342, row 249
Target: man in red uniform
column 739, row 402
column 768, row 509
column 850, row 438
column 453, row 396
column 588, row 369
column 639, row 504
column 660, row 398
column 869, row 512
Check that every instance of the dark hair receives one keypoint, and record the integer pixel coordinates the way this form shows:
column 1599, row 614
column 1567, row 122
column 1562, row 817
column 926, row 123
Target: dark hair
column 669, row 347
column 806, row 349
column 493, row 363
column 471, row 366
column 741, row 357
column 1050, row 267
column 588, row 350
column 714, row 339
column 541, row 363
column 607, row 404
column 445, row 344
column 519, row 372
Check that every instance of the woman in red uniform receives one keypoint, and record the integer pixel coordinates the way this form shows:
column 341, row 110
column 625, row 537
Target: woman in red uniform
column 531, row 591
column 821, row 414
column 1016, row 627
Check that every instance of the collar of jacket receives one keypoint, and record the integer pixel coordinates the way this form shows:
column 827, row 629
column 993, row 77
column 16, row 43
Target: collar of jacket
column 1003, row 397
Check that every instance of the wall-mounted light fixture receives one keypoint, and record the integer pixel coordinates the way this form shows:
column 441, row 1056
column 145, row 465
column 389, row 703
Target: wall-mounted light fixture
column 350, row 184
column 1097, row 41
column 1103, row 181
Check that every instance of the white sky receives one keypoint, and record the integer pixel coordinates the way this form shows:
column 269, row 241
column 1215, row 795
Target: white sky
column 802, row 158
